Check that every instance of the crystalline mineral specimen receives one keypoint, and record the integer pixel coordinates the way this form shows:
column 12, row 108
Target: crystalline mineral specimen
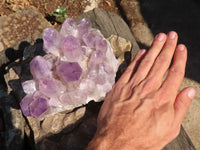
column 79, row 66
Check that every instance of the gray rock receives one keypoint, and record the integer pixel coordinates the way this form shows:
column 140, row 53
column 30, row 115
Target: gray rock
column 13, row 123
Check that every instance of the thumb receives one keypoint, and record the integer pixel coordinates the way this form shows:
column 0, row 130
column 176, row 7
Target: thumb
column 182, row 103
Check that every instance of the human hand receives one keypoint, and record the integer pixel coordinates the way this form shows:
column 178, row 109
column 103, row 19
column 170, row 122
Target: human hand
column 143, row 112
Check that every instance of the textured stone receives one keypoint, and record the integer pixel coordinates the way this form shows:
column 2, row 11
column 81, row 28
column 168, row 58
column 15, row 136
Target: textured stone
column 138, row 25
column 93, row 4
column 56, row 123
column 15, row 29
column 18, row 4
column 120, row 46
column 143, row 34
column 35, row 126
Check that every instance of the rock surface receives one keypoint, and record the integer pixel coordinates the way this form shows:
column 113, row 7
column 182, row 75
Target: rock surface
column 93, row 4
column 120, row 46
column 25, row 25
column 138, row 25
column 13, row 32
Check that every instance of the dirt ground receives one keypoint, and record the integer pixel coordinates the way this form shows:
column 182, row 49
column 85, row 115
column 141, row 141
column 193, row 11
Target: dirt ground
column 46, row 7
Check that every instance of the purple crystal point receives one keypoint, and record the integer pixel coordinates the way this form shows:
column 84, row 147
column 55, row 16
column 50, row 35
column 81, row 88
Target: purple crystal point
column 69, row 27
column 38, row 107
column 51, row 39
column 96, row 58
column 72, row 48
column 69, row 71
column 89, row 38
column 40, row 68
column 87, row 51
column 51, row 87
column 29, row 86
column 24, row 104
column 84, row 26
column 101, row 44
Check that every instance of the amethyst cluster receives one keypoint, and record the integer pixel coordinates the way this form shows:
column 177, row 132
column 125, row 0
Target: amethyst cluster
column 79, row 66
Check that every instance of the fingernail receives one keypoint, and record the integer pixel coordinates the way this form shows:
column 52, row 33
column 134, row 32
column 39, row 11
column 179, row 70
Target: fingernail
column 160, row 36
column 172, row 35
column 142, row 51
column 191, row 93
column 181, row 47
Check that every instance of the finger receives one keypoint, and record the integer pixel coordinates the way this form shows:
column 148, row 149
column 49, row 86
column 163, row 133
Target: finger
column 182, row 103
column 132, row 67
column 149, row 59
column 176, row 73
column 163, row 60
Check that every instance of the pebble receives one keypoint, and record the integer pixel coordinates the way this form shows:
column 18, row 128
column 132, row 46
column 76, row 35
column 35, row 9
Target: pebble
column 23, row 18
column 12, row 42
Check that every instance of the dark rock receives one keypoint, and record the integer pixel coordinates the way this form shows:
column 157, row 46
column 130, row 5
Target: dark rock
column 12, row 131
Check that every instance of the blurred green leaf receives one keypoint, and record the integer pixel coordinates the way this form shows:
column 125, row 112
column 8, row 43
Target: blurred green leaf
column 60, row 13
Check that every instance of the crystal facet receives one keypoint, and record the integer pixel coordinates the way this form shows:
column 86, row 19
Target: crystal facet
column 69, row 71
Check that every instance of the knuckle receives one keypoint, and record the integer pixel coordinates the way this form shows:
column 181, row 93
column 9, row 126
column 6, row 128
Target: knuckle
column 150, row 84
column 146, row 61
column 164, row 96
column 176, row 70
column 117, row 88
column 147, row 85
column 129, row 70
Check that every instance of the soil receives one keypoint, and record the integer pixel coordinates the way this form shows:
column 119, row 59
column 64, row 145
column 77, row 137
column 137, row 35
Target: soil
column 46, row 7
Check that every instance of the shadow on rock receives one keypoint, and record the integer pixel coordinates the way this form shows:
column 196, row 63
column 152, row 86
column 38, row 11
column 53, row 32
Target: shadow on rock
column 12, row 122
column 76, row 136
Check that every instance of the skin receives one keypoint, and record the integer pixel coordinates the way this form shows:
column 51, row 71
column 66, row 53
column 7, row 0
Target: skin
column 144, row 110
